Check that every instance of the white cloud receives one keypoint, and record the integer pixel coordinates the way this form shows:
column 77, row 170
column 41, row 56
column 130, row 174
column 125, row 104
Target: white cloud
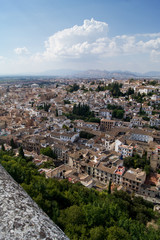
column 21, row 51
column 155, row 56
column 91, row 40
column 90, row 46
column 75, row 41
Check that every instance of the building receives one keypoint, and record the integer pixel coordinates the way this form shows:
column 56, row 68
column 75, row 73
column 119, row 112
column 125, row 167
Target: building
column 141, row 136
column 107, row 124
column 125, row 150
column 133, row 179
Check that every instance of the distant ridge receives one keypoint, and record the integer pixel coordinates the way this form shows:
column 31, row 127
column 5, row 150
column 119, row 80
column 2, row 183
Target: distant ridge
column 99, row 74
column 92, row 73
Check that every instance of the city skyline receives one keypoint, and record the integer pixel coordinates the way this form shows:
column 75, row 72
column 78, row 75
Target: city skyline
column 47, row 35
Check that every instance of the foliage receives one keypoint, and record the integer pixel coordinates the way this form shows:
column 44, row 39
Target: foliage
column 86, row 135
column 109, row 187
column 140, row 98
column 48, row 164
column 80, row 111
column 137, row 162
column 156, row 107
column 118, row 111
column 146, row 118
column 74, row 88
column 114, row 89
column 3, row 147
column 118, row 114
column 84, row 89
column 153, row 83
column 101, row 88
column 114, row 107
column 21, row 152
column 65, row 127
column 12, row 143
column 141, row 112
column 84, row 213
column 93, row 119
column 48, row 152
column 67, row 102
column 130, row 91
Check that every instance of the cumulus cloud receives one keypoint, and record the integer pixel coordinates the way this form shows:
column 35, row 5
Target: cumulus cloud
column 89, row 45
column 155, row 56
column 21, row 51
column 91, row 40
column 76, row 41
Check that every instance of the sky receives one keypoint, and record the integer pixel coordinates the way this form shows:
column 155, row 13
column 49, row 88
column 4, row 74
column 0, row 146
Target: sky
column 41, row 35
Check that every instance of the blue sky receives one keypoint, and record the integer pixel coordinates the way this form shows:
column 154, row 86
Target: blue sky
column 41, row 35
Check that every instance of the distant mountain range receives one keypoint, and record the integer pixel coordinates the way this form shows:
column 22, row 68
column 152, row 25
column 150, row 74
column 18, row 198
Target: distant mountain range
column 69, row 73
column 100, row 74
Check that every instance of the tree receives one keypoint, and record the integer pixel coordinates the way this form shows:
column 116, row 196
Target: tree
column 56, row 112
column 65, row 127
column 117, row 233
column 21, row 152
column 109, row 187
column 74, row 88
column 12, row 143
column 48, row 152
column 2, row 147
column 130, row 91
column 86, row 135
column 97, row 233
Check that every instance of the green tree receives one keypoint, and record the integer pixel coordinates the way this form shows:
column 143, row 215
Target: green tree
column 109, row 187
column 97, row 233
column 12, row 143
column 21, row 152
column 65, row 127
column 86, row 135
column 48, row 152
column 2, row 147
column 117, row 233
column 74, row 88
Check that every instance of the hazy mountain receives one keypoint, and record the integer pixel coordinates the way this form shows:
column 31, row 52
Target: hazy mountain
column 152, row 74
column 106, row 74
column 90, row 74
column 117, row 74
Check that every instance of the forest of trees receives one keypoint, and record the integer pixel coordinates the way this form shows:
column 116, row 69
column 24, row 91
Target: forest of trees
column 118, row 111
column 138, row 162
column 82, row 213
column 82, row 111
column 86, row 135
column 74, row 88
column 114, row 89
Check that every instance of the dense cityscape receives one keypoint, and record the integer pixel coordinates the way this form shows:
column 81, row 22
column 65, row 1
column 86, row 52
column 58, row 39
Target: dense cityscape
column 102, row 133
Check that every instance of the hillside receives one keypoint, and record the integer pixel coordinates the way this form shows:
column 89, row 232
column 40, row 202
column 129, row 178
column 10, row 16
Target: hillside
column 84, row 213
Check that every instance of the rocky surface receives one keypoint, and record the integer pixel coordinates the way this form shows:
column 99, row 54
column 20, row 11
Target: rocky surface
column 20, row 216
